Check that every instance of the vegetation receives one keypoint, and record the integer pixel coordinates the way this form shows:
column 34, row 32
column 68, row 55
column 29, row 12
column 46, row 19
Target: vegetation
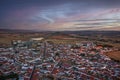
column 9, row 76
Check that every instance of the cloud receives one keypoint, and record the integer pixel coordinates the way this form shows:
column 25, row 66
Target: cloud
column 59, row 14
column 50, row 20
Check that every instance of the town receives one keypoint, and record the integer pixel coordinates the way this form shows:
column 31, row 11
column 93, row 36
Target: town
column 59, row 39
column 40, row 59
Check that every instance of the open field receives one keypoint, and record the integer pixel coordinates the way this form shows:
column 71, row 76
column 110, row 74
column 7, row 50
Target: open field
column 67, row 38
column 6, row 38
column 114, row 55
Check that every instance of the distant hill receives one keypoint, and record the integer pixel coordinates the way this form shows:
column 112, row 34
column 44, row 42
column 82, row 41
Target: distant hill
column 93, row 33
column 14, row 31
column 82, row 33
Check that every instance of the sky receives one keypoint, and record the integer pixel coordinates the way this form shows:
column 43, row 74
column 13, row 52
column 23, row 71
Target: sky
column 60, row 15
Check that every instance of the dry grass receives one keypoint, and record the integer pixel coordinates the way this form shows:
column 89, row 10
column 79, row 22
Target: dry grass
column 7, row 38
column 114, row 55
